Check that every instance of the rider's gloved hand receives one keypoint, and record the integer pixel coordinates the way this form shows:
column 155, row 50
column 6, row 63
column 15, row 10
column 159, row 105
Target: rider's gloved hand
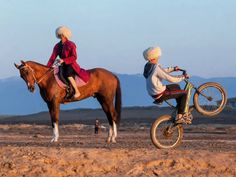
column 176, row 68
column 186, row 76
column 60, row 61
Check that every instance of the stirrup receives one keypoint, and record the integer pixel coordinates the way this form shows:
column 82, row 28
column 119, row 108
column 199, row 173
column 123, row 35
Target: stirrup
column 69, row 93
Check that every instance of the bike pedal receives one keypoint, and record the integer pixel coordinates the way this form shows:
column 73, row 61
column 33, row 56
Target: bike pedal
column 188, row 120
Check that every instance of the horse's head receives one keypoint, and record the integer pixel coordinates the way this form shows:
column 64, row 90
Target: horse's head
column 27, row 74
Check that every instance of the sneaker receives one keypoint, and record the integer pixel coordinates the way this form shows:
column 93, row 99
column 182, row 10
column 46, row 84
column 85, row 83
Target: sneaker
column 179, row 119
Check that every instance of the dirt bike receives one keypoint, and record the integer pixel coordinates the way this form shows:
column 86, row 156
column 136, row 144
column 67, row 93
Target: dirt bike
column 209, row 99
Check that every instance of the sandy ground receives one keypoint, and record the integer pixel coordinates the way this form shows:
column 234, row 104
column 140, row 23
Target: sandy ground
column 207, row 150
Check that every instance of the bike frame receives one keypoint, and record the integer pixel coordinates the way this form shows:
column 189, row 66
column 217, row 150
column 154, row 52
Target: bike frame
column 188, row 87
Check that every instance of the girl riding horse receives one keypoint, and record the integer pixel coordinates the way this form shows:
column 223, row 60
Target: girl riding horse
column 101, row 84
column 66, row 50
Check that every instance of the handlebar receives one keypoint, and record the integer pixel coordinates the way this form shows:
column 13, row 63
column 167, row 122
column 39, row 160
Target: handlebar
column 184, row 71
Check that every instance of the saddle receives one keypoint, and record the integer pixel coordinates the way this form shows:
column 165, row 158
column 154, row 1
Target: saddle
column 65, row 84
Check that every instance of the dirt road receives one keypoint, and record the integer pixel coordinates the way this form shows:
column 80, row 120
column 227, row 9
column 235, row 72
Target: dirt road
column 25, row 151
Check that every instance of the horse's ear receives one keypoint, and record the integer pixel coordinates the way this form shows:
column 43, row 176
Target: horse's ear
column 23, row 62
column 17, row 66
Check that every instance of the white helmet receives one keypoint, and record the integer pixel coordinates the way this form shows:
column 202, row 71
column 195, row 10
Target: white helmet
column 63, row 30
column 151, row 53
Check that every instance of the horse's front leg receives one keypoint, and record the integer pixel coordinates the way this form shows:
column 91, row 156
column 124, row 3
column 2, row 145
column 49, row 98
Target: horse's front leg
column 54, row 109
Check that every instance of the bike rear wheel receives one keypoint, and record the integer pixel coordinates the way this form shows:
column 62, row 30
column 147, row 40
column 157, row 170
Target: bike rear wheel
column 210, row 99
column 165, row 134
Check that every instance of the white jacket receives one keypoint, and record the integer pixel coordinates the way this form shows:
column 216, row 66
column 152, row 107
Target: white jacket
column 154, row 76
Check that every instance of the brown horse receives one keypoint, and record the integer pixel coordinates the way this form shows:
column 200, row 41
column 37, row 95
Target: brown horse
column 103, row 85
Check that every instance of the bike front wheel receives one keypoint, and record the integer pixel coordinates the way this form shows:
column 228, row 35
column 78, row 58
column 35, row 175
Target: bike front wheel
column 165, row 134
column 210, row 99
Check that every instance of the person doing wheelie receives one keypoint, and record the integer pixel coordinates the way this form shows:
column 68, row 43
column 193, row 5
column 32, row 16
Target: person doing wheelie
column 154, row 74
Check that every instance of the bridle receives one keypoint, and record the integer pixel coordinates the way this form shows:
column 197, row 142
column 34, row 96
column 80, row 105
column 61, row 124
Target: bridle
column 42, row 77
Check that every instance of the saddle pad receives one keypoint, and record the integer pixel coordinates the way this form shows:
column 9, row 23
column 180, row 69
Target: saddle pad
column 78, row 80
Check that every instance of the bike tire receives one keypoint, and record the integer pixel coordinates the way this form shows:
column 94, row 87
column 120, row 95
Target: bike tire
column 155, row 126
column 211, row 107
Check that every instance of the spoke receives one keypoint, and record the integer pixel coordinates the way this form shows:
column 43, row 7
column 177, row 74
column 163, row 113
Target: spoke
column 166, row 134
column 210, row 98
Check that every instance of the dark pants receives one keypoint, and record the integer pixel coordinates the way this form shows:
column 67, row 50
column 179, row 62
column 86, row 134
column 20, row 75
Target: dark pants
column 68, row 71
column 174, row 91
column 96, row 130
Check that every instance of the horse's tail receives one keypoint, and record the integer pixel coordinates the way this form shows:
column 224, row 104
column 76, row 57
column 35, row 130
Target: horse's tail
column 118, row 102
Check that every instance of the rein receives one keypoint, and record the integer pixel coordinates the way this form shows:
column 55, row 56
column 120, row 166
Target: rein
column 44, row 75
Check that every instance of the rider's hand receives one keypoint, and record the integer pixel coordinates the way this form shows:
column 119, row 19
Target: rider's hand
column 176, row 68
column 61, row 61
column 186, row 76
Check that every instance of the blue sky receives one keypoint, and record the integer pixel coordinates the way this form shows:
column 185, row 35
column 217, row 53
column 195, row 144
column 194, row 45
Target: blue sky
column 199, row 35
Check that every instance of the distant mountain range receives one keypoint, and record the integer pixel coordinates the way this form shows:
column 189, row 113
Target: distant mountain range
column 17, row 100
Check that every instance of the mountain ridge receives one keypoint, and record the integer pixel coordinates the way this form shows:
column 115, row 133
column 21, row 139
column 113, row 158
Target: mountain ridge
column 17, row 100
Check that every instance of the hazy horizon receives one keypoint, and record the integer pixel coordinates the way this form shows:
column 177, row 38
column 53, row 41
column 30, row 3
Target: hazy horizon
column 18, row 76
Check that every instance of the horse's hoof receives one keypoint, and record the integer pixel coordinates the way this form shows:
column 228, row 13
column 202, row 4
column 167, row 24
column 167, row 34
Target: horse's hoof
column 113, row 141
column 108, row 140
column 54, row 140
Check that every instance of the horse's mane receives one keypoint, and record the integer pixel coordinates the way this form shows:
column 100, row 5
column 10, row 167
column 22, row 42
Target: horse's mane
column 36, row 63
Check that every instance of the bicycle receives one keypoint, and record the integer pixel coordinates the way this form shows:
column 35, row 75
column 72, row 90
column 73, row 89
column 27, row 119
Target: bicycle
column 209, row 99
